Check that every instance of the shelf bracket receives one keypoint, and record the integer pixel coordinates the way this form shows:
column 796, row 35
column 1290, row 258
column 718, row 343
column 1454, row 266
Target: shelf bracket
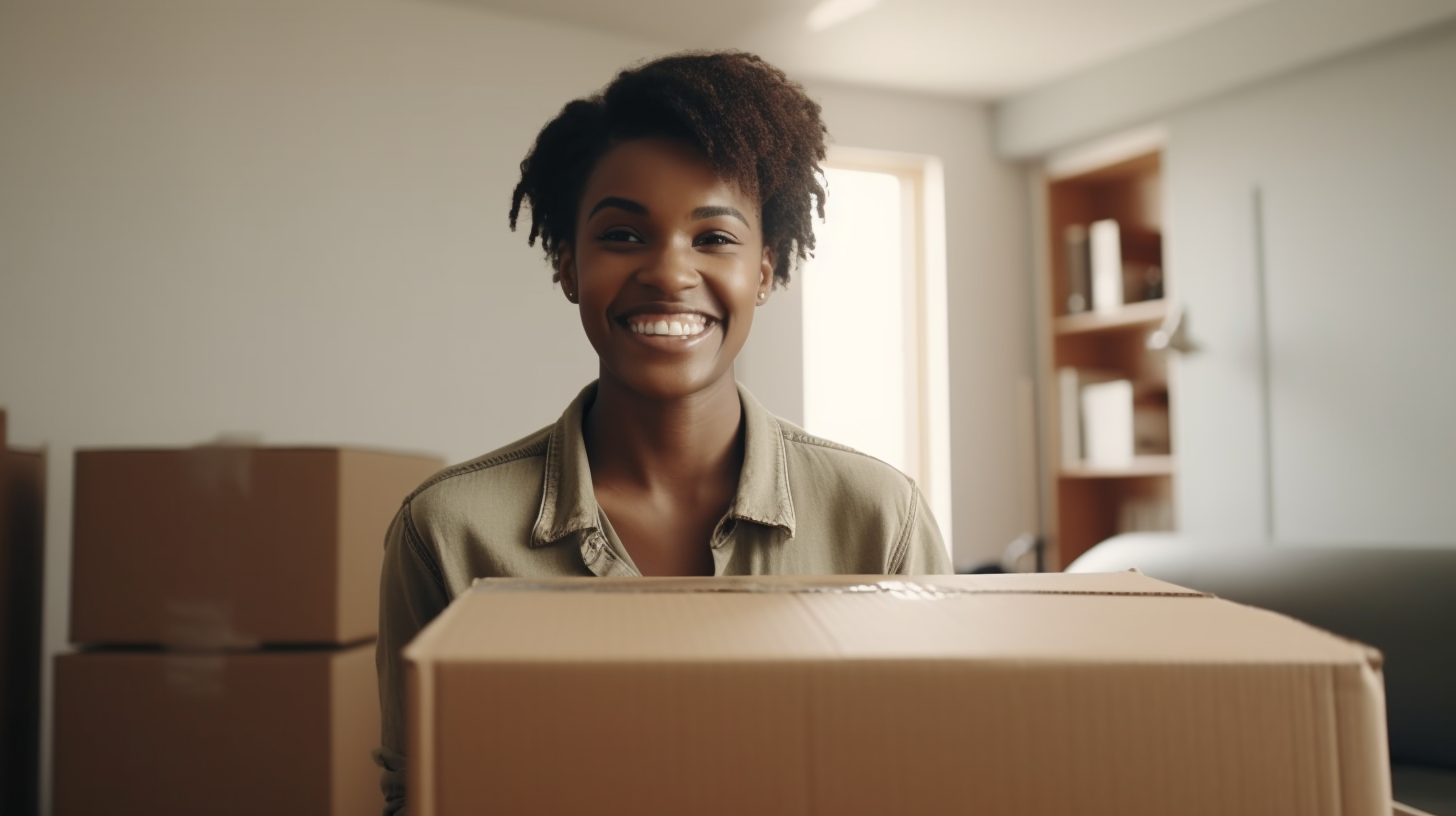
column 1172, row 335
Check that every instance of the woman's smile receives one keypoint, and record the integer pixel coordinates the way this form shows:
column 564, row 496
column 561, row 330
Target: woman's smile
column 668, row 325
column 668, row 328
column 666, row 320
column 670, row 334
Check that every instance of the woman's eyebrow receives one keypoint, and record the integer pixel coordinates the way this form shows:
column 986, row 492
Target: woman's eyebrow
column 713, row 212
column 698, row 214
column 619, row 203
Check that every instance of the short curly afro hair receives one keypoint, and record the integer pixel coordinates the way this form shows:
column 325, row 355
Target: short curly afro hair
column 756, row 127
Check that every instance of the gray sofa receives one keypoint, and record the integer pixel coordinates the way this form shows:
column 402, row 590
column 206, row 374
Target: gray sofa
column 1400, row 600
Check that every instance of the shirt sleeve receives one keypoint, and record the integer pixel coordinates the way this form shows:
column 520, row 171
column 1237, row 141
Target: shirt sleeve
column 921, row 549
column 411, row 593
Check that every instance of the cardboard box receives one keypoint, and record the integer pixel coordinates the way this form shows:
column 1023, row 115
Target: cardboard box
column 162, row 733
column 232, row 547
column 1026, row 694
column 22, row 554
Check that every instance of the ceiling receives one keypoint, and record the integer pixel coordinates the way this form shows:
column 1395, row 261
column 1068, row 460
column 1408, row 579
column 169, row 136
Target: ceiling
column 985, row 49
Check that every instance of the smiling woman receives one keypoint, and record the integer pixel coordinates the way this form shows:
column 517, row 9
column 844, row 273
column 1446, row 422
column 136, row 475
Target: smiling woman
column 669, row 206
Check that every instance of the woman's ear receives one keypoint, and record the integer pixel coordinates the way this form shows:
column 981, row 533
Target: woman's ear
column 766, row 275
column 566, row 272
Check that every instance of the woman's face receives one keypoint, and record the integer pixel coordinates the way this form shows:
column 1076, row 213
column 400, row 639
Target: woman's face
column 667, row 265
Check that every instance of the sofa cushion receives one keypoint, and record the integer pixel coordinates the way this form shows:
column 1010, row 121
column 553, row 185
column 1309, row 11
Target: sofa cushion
column 1401, row 600
column 1430, row 789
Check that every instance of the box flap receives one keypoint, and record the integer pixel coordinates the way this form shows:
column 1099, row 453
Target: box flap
column 1130, row 582
column 1118, row 617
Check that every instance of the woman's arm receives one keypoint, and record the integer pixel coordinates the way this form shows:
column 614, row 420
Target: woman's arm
column 411, row 593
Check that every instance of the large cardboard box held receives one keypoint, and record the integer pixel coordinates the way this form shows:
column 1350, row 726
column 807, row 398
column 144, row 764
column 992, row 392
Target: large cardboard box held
column 182, row 734
column 214, row 547
column 1035, row 694
column 22, row 511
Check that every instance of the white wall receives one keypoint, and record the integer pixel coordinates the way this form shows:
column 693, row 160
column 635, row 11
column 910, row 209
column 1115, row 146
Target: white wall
column 1356, row 161
column 1262, row 41
column 989, row 304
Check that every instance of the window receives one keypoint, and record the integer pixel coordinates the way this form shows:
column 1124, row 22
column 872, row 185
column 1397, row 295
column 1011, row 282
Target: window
column 875, row 372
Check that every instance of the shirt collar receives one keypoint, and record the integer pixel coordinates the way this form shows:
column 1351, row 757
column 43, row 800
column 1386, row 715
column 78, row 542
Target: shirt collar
column 568, row 504
column 763, row 493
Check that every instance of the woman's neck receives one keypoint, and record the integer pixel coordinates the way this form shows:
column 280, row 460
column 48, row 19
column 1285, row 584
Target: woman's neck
column 642, row 443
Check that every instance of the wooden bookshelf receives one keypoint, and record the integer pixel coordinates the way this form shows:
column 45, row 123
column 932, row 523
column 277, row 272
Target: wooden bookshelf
column 1087, row 502
column 1143, row 314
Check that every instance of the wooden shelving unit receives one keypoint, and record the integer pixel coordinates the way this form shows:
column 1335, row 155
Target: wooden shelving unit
column 1087, row 502
column 1143, row 314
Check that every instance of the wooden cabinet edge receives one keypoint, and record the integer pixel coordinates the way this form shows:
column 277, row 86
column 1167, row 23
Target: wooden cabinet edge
column 1140, row 466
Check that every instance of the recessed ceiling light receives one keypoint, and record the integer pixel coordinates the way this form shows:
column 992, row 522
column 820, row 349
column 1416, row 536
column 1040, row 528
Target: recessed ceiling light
column 833, row 12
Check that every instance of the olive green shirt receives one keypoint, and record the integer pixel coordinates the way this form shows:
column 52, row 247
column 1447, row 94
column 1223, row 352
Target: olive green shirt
column 804, row 506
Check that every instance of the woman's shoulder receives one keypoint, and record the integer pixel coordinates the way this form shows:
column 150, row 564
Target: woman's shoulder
column 814, row 457
column 851, row 502
column 517, row 464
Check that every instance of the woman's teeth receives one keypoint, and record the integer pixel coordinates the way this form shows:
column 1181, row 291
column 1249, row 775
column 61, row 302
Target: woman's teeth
column 672, row 328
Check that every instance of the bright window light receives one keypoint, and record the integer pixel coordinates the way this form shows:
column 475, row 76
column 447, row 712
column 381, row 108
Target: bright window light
column 876, row 375
column 855, row 351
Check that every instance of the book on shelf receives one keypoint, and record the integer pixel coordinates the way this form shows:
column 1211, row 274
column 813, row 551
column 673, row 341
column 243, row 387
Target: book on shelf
column 1104, row 240
column 1079, row 280
column 1107, row 423
column 1070, row 381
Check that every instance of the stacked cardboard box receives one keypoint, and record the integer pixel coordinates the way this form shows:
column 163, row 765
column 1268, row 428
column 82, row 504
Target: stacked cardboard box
column 22, row 505
column 227, row 599
column 1027, row 694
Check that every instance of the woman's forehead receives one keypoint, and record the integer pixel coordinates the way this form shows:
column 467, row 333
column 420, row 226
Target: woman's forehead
column 659, row 172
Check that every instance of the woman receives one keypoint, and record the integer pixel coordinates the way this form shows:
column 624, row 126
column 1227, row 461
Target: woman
column 670, row 205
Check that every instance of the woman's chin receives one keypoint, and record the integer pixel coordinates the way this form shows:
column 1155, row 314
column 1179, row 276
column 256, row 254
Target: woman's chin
column 667, row 383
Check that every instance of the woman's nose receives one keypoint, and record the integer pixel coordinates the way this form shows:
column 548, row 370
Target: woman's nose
column 671, row 268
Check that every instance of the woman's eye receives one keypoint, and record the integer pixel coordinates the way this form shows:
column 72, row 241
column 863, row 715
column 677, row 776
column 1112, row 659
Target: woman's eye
column 716, row 239
column 620, row 235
